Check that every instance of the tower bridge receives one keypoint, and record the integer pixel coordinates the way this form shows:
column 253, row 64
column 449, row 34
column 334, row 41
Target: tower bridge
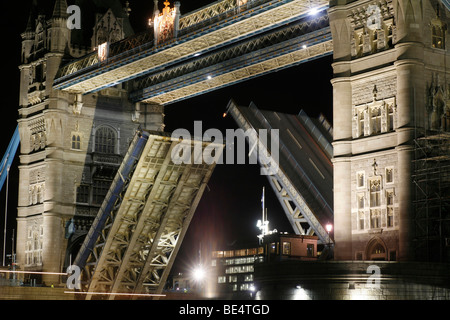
column 70, row 112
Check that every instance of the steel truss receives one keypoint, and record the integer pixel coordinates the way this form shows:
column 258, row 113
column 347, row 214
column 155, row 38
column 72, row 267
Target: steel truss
column 287, row 47
column 302, row 202
column 137, row 56
column 132, row 245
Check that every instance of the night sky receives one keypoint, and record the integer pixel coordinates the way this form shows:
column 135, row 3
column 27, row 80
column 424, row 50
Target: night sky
column 231, row 206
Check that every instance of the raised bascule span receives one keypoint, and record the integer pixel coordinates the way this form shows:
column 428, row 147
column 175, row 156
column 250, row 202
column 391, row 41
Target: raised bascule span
column 303, row 182
column 138, row 231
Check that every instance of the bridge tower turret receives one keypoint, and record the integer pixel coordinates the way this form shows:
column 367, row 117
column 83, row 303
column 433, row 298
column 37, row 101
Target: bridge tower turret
column 71, row 144
column 386, row 55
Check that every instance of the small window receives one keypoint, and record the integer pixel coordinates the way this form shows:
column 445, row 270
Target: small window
column 287, row 248
column 310, row 250
column 391, row 112
column 76, row 142
column 375, row 219
column 390, row 208
column 361, row 219
column 360, row 179
column 390, row 217
column 361, row 201
column 361, row 123
column 376, row 119
column 389, row 175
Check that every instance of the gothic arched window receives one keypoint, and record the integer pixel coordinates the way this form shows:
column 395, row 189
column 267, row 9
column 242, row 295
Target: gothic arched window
column 105, row 140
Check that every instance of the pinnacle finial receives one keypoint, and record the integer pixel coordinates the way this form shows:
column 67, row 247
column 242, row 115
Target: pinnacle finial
column 60, row 9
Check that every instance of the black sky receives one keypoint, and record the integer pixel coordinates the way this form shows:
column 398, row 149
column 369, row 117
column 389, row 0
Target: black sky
column 229, row 209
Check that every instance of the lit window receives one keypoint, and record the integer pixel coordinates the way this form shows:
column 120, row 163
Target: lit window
column 438, row 37
column 310, row 250
column 287, row 248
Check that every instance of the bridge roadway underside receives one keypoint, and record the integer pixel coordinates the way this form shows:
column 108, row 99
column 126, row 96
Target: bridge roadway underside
column 279, row 49
column 303, row 182
column 232, row 46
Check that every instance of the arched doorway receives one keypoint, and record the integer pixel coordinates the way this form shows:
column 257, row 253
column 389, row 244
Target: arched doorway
column 376, row 250
column 72, row 250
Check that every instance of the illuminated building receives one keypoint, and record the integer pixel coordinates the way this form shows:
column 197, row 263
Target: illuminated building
column 233, row 271
column 391, row 130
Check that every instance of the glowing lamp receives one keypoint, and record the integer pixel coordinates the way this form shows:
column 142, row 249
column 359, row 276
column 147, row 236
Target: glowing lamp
column 329, row 227
column 313, row 11
column 199, row 273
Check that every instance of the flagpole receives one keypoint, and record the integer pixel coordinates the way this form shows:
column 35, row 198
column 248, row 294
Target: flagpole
column 263, row 211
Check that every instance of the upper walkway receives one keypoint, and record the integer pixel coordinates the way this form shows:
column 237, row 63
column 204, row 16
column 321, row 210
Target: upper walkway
column 221, row 25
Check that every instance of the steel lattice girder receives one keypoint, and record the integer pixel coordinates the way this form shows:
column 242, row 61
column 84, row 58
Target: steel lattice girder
column 142, row 234
column 86, row 75
column 297, row 206
column 258, row 56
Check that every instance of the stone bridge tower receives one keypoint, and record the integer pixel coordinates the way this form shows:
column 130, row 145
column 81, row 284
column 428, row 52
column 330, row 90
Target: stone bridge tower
column 71, row 145
column 391, row 95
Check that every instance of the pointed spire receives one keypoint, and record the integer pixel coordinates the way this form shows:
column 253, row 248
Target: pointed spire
column 60, row 9
column 31, row 17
